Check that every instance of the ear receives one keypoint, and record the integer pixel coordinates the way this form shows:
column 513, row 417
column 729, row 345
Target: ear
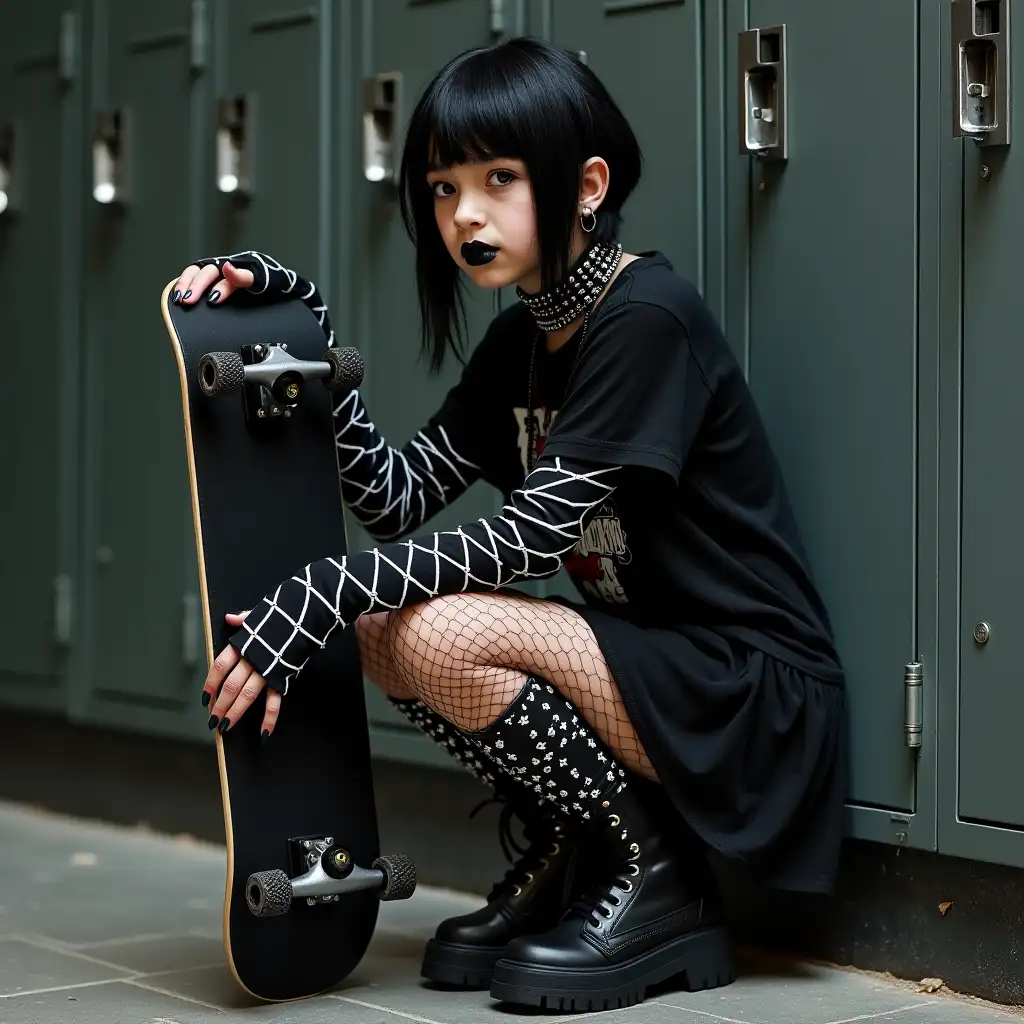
column 593, row 183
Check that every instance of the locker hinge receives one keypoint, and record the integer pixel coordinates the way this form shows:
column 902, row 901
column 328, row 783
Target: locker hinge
column 497, row 17
column 913, row 704
column 67, row 46
column 190, row 630
column 62, row 610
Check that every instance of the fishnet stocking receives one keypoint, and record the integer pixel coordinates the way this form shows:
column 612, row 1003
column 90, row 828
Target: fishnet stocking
column 467, row 656
column 378, row 666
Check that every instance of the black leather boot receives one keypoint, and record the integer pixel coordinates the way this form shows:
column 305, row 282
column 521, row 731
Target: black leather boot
column 654, row 917
column 531, row 897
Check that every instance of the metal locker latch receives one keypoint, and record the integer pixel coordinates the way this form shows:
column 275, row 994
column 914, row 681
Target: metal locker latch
column 235, row 131
column 110, row 170
column 382, row 104
column 762, row 65
column 980, row 39
column 8, row 178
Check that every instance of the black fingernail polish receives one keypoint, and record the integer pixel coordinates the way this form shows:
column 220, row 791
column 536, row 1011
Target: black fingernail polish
column 176, row 296
column 187, row 294
column 214, row 296
column 206, row 697
column 264, row 736
column 224, row 725
column 212, row 723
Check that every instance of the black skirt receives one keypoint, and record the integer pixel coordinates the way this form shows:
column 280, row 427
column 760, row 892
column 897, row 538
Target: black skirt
column 750, row 750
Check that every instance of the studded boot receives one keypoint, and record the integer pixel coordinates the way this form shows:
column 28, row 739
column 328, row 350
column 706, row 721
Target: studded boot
column 654, row 913
column 537, row 887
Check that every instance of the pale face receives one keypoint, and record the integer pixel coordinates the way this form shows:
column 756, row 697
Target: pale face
column 491, row 203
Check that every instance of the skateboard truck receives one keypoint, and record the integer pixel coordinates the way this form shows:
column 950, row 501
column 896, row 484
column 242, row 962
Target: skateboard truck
column 328, row 873
column 271, row 380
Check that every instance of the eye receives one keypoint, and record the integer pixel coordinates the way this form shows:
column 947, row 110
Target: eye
column 437, row 185
column 504, row 177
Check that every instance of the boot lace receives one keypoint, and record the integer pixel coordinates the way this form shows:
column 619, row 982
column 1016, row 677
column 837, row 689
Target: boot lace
column 543, row 842
column 599, row 902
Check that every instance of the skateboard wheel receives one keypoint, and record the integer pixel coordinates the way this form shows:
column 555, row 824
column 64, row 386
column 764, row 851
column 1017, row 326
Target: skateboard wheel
column 347, row 369
column 269, row 893
column 399, row 876
column 221, row 373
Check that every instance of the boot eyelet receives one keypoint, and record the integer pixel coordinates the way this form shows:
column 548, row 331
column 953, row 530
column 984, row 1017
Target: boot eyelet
column 529, row 877
column 555, row 848
column 614, row 819
column 630, row 889
column 516, row 891
column 634, row 847
column 634, row 869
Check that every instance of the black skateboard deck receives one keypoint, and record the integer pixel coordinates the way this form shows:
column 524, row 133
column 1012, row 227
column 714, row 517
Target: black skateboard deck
column 266, row 501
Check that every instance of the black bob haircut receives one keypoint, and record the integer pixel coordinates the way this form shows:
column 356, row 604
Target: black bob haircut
column 527, row 100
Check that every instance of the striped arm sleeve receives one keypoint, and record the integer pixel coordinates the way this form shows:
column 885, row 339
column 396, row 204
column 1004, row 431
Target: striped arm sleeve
column 395, row 491
column 528, row 540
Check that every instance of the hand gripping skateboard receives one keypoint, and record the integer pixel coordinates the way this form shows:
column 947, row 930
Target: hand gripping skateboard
column 304, row 872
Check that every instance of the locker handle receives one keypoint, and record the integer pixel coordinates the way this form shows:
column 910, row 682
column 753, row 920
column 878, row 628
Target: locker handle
column 382, row 108
column 235, row 145
column 7, row 175
column 110, row 146
column 980, row 40
column 764, row 127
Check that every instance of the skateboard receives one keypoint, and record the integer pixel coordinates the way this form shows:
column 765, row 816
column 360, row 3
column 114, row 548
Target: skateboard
column 304, row 872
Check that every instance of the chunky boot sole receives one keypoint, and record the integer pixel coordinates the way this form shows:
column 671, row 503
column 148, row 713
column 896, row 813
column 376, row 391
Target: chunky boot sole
column 701, row 960
column 451, row 963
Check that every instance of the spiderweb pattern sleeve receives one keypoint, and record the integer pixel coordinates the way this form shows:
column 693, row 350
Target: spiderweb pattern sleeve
column 528, row 540
column 395, row 491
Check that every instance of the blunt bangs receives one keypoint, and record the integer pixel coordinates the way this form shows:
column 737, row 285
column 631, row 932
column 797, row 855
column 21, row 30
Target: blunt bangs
column 521, row 99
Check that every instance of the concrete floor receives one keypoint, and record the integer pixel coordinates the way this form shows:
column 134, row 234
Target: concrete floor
column 121, row 925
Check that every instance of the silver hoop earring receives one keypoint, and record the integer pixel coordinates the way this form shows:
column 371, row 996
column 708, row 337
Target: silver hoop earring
column 587, row 212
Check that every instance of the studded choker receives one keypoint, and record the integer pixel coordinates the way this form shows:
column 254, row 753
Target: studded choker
column 555, row 309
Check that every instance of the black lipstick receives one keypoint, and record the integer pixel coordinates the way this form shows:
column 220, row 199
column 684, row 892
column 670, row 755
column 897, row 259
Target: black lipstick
column 477, row 254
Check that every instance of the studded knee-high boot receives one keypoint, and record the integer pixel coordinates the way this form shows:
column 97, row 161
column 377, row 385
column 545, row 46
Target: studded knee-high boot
column 535, row 890
column 652, row 915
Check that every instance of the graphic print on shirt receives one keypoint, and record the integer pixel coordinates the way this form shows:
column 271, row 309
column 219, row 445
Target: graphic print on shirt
column 592, row 562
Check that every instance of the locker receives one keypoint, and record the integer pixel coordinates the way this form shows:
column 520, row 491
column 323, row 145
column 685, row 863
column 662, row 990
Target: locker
column 143, row 654
column 40, row 99
column 990, row 699
column 832, row 272
column 649, row 57
column 273, row 107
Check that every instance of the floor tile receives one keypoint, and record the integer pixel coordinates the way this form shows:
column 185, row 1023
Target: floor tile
column 25, row 967
column 109, row 1004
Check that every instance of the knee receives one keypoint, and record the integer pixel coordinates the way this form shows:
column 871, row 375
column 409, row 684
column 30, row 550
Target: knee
column 415, row 635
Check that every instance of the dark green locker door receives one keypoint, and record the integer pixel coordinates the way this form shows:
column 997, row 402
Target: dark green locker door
column 833, row 345
column 991, row 697
column 411, row 40
column 274, row 87
column 649, row 58
column 40, row 97
column 139, row 556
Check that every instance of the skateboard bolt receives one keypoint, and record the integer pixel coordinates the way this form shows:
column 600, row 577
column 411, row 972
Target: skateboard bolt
column 341, row 859
column 261, row 413
column 292, row 391
column 306, row 843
